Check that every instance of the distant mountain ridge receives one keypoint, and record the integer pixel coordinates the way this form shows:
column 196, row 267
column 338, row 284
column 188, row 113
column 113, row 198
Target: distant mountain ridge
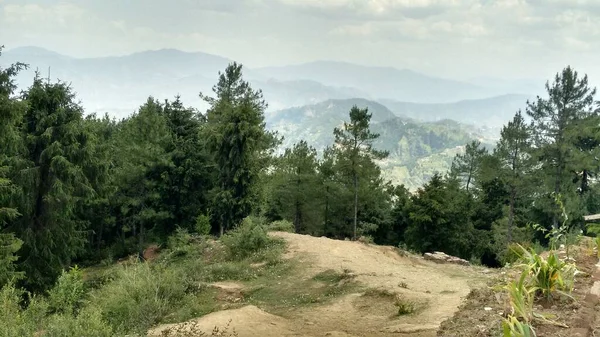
column 119, row 84
column 417, row 149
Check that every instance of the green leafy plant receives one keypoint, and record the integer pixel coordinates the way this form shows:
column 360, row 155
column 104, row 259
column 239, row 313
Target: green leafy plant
column 521, row 297
column 549, row 276
column 69, row 292
column 512, row 327
column 247, row 239
column 202, row 226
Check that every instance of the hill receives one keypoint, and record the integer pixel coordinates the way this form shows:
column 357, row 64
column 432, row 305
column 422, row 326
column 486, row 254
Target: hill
column 493, row 111
column 119, row 84
column 381, row 82
column 417, row 149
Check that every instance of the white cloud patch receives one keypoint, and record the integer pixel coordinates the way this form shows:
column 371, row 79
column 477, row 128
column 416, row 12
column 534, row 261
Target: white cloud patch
column 449, row 37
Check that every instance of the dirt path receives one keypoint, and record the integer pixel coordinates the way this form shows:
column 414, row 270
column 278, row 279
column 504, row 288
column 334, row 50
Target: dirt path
column 437, row 290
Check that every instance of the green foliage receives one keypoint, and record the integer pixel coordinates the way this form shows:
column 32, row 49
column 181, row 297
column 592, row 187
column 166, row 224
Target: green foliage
column 203, row 226
column 68, row 293
column 237, row 138
column 281, row 226
column 18, row 322
column 548, row 276
column 140, row 296
column 512, row 327
column 249, row 238
column 89, row 322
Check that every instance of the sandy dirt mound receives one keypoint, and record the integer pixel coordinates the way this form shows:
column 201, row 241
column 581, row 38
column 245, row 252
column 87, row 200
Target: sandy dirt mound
column 435, row 290
column 248, row 321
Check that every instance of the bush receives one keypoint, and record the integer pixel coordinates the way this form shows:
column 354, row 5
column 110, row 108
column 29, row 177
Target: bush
column 88, row 323
column 15, row 320
column 247, row 239
column 68, row 294
column 141, row 296
column 203, row 226
column 282, row 226
column 180, row 242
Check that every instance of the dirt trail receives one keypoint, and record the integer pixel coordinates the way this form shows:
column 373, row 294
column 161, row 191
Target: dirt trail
column 438, row 289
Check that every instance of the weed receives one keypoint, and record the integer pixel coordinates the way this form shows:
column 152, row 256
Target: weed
column 403, row 285
column 512, row 327
column 521, row 298
column 405, row 307
column 192, row 329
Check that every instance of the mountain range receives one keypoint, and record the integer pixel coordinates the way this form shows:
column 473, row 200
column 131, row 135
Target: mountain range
column 119, row 84
column 423, row 121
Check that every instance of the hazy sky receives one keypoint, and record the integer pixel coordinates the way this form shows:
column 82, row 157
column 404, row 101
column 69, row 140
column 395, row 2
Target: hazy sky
column 453, row 38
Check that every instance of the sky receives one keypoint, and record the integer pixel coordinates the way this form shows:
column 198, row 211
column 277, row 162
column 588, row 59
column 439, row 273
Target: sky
column 459, row 39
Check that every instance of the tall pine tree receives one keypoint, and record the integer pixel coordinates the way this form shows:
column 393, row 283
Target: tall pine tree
column 354, row 144
column 240, row 144
column 570, row 99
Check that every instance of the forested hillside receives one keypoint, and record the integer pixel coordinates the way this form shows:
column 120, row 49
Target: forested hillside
column 80, row 190
column 417, row 149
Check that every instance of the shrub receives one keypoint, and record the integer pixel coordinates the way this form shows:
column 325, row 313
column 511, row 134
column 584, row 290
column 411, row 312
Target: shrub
column 203, row 226
column 88, row 322
column 180, row 242
column 282, row 226
column 68, row 294
column 15, row 320
column 140, row 296
column 248, row 238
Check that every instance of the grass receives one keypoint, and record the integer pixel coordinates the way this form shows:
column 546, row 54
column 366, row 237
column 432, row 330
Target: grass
column 284, row 291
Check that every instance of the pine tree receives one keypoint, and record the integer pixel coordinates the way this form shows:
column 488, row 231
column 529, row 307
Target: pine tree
column 53, row 182
column 297, row 188
column 11, row 112
column 466, row 166
column 570, row 99
column 141, row 159
column 514, row 154
column 240, row 144
column 354, row 143
column 189, row 177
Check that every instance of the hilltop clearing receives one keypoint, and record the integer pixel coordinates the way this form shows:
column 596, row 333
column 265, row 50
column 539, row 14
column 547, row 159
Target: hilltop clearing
column 392, row 293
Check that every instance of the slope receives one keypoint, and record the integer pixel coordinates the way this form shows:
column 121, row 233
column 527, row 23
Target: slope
column 417, row 149
column 380, row 82
column 384, row 277
column 493, row 111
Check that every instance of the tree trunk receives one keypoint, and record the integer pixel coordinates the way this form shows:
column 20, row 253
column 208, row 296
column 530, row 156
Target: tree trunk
column 355, row 205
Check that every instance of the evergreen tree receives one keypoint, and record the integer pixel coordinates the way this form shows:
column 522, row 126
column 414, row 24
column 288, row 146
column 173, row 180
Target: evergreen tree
column 53, row 182
column 354, row 143
column 240, row 144
column 189, row 176
column 141, row 159
column 297, row 188
column 569, row 100
column 466, row 166
column 515, row 163
column 439, row 219
column 11, row 112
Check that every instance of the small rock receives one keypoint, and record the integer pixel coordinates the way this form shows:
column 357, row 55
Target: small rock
column 440, row 257
column 487, row 309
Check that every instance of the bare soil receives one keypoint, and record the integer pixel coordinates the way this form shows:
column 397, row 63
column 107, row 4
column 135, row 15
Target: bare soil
column 432, row 291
